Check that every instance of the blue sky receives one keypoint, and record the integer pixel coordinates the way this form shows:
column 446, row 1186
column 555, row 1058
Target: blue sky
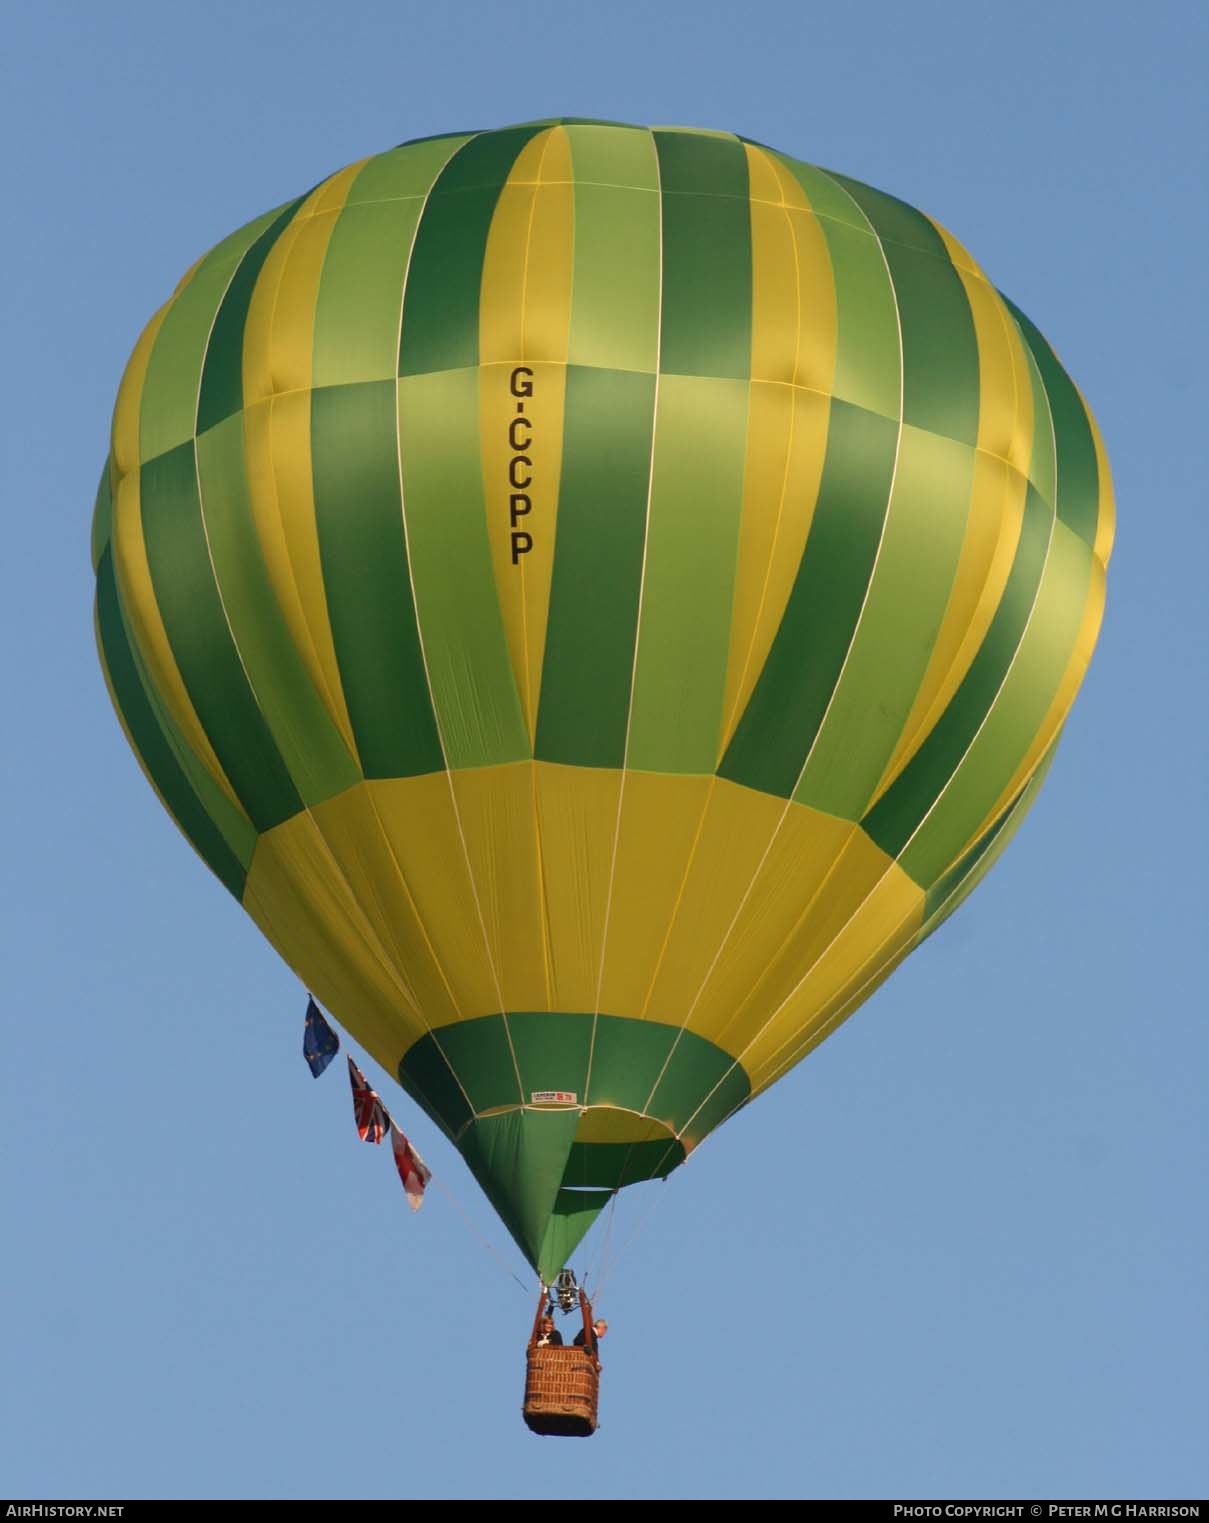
column 961, row 1251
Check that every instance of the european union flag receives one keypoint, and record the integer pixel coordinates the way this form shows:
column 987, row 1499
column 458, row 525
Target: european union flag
column 320, row 1044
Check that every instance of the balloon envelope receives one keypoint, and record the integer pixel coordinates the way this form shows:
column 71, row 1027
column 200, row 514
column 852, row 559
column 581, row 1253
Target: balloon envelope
column 599, row 597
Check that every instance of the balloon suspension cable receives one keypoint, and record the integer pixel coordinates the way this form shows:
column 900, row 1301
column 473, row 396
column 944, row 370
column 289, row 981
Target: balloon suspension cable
column 456, row 1204
column 639, row 1227
column 607, row 1247
column 594, row 1271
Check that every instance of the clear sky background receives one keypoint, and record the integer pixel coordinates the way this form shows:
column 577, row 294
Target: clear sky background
column 961, row 1251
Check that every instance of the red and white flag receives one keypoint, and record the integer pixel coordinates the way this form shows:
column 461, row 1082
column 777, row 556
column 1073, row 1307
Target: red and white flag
column 413, row 1171
column 368, row 1111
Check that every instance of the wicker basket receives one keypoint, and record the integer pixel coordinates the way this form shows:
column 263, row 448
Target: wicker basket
column 561, row 1387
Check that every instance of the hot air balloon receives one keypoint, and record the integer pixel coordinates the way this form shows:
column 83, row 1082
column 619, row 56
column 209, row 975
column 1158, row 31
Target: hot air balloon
column 599, row 597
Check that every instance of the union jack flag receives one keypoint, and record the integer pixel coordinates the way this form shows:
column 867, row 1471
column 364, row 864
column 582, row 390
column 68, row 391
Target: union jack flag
column 368, row 1111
